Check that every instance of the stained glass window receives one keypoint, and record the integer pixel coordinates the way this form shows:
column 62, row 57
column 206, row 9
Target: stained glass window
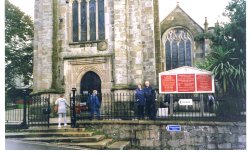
column 182, row 53
column 174, row 54
column 88, row 25
column 101, row 20
column 178, row 48
column 83, row 21
column 188, row 53
column 75, row 21
column 168, row 54
column 92, row 18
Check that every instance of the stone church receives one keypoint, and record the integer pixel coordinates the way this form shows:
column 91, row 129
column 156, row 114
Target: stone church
column 109, row 45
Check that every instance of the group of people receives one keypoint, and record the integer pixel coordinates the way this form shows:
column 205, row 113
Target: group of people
column 145, row 100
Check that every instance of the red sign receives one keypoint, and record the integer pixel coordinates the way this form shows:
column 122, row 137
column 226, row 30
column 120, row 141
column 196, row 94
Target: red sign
column 186, row 79
column 168, row 83
column 204, row 82
column 186, row 82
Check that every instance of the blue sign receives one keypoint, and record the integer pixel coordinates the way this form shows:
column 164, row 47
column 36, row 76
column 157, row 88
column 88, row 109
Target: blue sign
column 176, row 128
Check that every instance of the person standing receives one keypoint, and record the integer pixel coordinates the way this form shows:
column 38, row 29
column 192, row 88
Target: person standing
column 140, row 101
column 210, row 102
column 150, row 96
column 62, row 110
column 94, row 105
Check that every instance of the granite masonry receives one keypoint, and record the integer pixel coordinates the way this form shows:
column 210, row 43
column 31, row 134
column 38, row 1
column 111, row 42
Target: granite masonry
column 193, row 135
column 131, row 51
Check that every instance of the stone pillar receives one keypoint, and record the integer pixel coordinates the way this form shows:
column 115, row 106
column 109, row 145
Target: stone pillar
column 148, row 41
column 134, row 42
column 43, row 30
column 157, row 40
column 120, row 43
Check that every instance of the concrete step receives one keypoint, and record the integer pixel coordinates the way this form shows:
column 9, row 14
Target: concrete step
column 119, row 145
column 48, row 134
column 101, row 145
column 94, row 138
column 56, row 129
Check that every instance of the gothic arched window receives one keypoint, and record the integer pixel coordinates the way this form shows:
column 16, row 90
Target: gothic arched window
column 178, row 48
column 91, row 20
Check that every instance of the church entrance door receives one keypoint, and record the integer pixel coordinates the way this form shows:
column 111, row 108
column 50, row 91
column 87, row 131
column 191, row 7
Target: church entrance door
column 90, row 81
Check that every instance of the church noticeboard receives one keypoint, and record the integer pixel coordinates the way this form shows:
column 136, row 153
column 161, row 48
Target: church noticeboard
column 169, row 83
column 186, row 80
column 204, row 82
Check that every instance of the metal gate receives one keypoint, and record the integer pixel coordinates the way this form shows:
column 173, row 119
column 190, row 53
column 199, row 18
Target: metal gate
column 39, row 111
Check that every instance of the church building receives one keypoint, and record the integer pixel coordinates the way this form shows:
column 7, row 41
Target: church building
column 109, row 45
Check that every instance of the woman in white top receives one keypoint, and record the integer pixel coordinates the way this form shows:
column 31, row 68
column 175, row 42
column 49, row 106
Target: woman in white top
column 62, row 106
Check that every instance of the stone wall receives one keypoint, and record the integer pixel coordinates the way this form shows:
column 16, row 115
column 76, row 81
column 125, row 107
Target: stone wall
column 193, row 136
column 128, row 49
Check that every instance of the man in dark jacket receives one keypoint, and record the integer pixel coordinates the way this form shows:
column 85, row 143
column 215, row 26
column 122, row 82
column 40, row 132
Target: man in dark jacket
column 149, row 93
column 140, row 101
column 94, row 105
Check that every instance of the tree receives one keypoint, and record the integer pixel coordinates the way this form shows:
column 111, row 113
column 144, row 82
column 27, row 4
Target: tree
column 227, row 60
column 18, row 47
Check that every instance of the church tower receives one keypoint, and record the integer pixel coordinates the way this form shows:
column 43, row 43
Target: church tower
column 108, row 45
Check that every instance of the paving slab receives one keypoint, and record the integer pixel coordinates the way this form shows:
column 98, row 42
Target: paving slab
column 119, row 145
column 101, row 145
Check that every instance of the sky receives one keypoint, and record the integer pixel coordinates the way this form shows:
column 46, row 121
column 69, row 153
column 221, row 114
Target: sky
column 196, row 9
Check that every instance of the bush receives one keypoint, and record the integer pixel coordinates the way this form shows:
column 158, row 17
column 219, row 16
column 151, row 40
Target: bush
column 230, row 108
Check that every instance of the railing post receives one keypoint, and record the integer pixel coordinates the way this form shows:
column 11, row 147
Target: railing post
column 171, row 111
column 49, row 110
column 73, row 116
column 24, row 123
column 201, row 105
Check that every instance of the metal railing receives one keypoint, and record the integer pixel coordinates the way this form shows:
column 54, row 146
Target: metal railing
column 121, row 106
column 28, row 111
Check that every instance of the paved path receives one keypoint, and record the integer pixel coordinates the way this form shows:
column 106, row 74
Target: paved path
column 14, row 144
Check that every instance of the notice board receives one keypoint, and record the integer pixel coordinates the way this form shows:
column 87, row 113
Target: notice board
column 186, row 80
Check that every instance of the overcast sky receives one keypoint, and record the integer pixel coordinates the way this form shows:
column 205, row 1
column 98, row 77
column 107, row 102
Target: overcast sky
column 197, row 9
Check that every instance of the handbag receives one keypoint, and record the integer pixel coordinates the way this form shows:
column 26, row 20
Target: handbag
column 56, row 108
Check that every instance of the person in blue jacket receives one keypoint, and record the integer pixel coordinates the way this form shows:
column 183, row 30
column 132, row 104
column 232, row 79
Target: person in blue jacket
column 94, row 105
column 140, row 101
column 150, row 97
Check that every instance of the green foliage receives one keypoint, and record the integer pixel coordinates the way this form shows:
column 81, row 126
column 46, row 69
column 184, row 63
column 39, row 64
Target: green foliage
column 18, row 46
column 227, row 60
column 231, row 109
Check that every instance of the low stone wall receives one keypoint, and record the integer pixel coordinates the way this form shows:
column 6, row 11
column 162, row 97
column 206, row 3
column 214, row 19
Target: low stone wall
column 193, row 135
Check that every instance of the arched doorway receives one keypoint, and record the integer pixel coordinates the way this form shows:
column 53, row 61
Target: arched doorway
column 90, row 81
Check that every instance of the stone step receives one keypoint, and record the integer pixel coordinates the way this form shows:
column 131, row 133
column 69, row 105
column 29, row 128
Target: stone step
column 101, row 145
column 94, row 138
column 119, row 145
column 55, row 129
column 48, row 134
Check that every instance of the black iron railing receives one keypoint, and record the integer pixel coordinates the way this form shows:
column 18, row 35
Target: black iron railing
column 28, row 111
column 123, row 107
